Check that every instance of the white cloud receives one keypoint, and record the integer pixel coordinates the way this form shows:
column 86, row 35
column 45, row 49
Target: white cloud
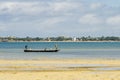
column 65, row 6
column 36, row 8
column 27, row 8
column 54, row 21
column 57, row 15
column 114, row 20
column 95, row 6
column 51, row 22
column 90, row 19
column 2, row 27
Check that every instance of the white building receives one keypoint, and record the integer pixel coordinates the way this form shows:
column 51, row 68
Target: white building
column 74, row 39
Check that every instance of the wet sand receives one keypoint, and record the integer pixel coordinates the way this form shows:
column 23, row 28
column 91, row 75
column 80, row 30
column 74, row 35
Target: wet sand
column 58, row 69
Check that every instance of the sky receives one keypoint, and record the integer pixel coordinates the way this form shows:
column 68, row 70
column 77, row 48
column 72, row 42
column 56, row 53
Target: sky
column 46, row 18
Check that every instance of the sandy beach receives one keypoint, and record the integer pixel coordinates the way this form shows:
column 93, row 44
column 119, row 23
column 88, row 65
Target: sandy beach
column 60, row 69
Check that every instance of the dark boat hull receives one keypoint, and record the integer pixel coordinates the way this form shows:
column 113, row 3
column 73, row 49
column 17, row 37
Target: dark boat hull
column 41, row 50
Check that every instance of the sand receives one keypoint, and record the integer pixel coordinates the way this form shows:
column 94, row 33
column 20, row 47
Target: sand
column 58, row 69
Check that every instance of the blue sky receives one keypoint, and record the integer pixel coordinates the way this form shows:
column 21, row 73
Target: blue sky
column 45, row 18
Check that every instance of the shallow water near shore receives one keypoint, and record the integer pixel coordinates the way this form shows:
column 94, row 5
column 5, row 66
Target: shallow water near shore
column 68, row 50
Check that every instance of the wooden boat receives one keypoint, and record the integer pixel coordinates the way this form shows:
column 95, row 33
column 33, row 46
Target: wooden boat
column 41, row 50
column 33, row 50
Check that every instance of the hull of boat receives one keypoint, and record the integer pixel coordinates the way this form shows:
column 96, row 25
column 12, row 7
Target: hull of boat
column 41, row 50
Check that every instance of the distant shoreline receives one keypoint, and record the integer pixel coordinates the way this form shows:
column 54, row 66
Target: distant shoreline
column 62, row 41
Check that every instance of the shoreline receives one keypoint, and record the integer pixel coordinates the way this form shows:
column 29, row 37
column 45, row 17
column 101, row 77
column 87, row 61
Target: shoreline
column 63, row 41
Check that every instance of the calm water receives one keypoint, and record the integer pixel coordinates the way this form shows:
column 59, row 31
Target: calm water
column 107, row 50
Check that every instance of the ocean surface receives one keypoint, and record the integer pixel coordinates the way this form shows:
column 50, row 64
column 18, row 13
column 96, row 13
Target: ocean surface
column 68, row 50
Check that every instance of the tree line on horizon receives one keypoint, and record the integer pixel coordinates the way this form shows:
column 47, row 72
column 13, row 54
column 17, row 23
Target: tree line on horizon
column 60, row 38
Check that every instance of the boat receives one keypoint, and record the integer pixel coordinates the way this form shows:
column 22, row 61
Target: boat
column 33, row 50
column 41, row 50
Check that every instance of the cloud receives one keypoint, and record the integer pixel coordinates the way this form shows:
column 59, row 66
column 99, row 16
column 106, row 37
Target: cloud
column 51, row 22
column 95, row 6
column 65, row 6
column 17, row 11
column 2, row 27
column 114, row 20
column 36, row 8
column 90, row 19
column 63, row 16
column 22, row 8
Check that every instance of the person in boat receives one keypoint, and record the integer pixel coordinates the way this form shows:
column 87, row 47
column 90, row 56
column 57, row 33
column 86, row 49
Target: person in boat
column 56, row 47
column 26, row 47
column 45, row 49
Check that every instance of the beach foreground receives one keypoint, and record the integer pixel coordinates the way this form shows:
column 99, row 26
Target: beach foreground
column 58, row 69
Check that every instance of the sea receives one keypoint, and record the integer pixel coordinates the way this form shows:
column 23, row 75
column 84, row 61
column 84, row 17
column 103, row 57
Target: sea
column 68, row 50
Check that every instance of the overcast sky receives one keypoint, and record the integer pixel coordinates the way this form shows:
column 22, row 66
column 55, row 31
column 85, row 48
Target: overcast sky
column 45, row 18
